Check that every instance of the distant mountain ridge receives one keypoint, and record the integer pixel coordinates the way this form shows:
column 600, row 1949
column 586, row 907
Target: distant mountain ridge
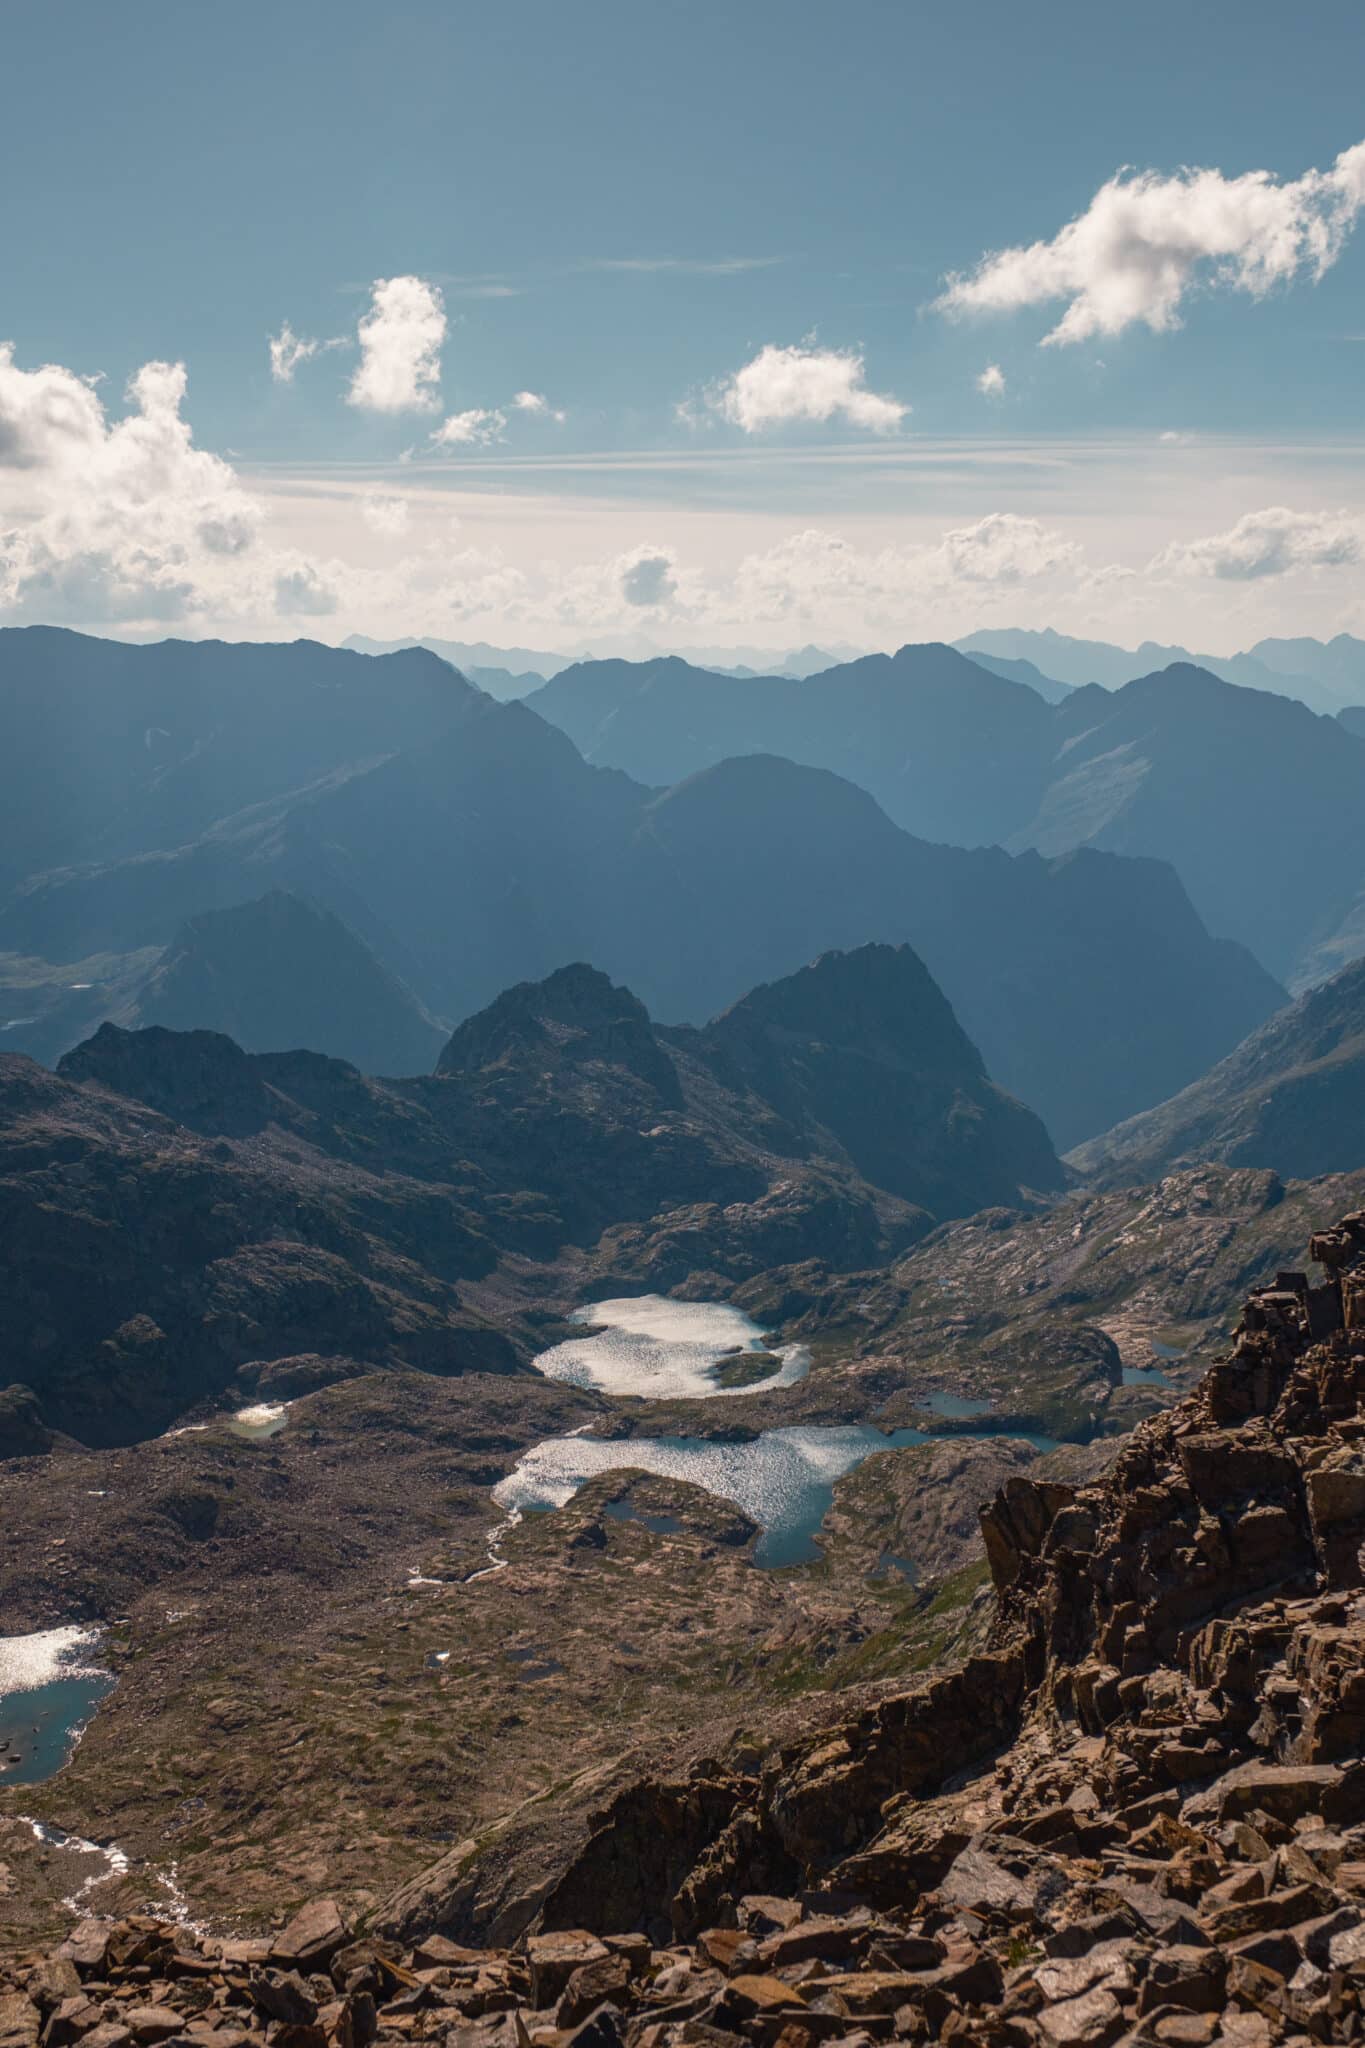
column 278, row 974
column 1325, row 675
column 1178, row 764
column 486, row 851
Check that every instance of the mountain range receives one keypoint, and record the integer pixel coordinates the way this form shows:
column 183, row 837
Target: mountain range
column 269, row 1204
column 480, row 849
column 1325, row 675
column 1178, row 764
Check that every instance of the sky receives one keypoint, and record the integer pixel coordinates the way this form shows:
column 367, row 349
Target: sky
column 621, row 327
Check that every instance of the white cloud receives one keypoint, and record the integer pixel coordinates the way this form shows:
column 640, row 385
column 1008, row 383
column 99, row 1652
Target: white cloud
column 115, row 519
column 474, row 428
column 533, row 402
column 1002, row 548
column 287, row 351
column 817, row 577
column 1269, row 543
column 1146, row 240
column 991, row 382
column 304, row 591
column 648, row 577
column 400, row 348
column 383, row 514
column 820, row 384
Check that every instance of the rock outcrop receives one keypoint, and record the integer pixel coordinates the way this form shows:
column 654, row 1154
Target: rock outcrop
column 1140, row 1812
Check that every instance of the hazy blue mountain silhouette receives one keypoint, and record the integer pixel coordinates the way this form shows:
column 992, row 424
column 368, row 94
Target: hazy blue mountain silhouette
column 1178, row 764
column 1323, row 676
column 489, row 852
column 1291, row 1097
column 949, row 750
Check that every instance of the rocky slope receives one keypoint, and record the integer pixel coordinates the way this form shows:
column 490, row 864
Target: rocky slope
column 1291, row 1097
column 271, row 1204
column 1137, row 1814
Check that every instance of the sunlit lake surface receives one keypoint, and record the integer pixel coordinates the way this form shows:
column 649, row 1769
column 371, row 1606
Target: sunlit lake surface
column 659, row 1349
column 784, row 1479
column 50, row 1686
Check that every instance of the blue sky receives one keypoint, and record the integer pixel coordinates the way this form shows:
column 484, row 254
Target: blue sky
column 620, row 207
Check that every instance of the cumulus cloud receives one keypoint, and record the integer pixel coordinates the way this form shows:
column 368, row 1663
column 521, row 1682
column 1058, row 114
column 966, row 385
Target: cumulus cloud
column 817, row 384
column 648, row 577
column 1146, row 240
column 400, row 348
column 1269, row 543
column 304, row 591
column 383, row 514
column 1002, row 548
column 113, row 519
column 991, row 382
column 815, row 574
column 474, row 428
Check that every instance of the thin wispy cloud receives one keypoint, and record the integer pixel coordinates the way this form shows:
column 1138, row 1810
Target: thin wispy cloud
column 691, row 266
column 1146, row 241
column 288, row 350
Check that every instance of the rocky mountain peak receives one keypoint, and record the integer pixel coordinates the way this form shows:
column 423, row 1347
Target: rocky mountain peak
column 865, row 1045
column 877, row 1000
column 576, row 1019
column 199, row 1078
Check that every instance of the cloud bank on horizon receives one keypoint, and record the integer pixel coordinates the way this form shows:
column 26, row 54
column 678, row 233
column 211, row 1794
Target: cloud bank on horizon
column 120, row 521
column 123, row 523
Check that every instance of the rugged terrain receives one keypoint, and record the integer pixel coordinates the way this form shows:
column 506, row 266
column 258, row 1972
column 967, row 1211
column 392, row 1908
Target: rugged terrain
column 1135, row 1811
column 277, row 1203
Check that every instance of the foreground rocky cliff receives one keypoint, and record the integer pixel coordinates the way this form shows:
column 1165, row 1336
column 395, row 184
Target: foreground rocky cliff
column 1138, row 1815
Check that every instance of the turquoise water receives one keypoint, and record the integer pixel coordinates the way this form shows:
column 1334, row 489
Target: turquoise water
column 661, row 1350
column 783, row 1479
column 955, row 1407
column 626, row 1511
column 49, row 1690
